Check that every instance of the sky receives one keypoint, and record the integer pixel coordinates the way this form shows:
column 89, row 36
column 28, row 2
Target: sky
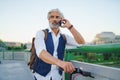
column 21, row 19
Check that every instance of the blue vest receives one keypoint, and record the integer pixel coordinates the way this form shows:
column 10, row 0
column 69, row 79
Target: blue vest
column 44, row 68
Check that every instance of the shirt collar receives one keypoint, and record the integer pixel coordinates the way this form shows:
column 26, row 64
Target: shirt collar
column 50, row 30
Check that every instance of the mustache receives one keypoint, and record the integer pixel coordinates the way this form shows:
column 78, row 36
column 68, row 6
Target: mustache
column 56, row 23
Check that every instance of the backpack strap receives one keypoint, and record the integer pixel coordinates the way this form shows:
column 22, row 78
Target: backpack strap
column 36, row 58
column 46, row 33
column 32, row 54
column 64, row 37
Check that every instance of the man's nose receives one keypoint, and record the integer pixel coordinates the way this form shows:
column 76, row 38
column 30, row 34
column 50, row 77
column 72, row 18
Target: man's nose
column 54, row 18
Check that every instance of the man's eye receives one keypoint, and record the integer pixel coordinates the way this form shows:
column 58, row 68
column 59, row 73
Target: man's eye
column 51, row 16
column 57, row 17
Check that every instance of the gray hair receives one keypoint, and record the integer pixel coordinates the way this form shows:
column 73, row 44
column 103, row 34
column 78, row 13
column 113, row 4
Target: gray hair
column 55, row 10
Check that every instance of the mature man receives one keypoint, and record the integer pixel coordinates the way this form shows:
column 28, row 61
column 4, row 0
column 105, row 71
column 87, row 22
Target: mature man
column 51, row 50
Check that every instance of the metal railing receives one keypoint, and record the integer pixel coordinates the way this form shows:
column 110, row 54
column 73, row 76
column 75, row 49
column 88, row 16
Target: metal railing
column 99, row 72
column 15, row 55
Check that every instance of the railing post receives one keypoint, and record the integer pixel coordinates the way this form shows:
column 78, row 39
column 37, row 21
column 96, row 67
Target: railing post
column 12, row 54
column 68, row 56
column 3, row 55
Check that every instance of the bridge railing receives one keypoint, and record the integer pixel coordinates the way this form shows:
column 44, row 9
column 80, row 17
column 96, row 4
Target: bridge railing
column 15, row 55
column 100, row 72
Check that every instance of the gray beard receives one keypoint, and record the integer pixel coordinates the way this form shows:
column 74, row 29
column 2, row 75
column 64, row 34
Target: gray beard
column 54, row 25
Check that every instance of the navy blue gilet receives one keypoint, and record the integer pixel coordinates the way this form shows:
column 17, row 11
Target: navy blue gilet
column 44, row 68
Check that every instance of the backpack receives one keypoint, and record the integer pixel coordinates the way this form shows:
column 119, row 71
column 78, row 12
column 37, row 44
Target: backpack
column 33, row 56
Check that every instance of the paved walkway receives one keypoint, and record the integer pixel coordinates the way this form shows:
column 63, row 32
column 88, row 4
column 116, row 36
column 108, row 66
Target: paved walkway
column 15, row 70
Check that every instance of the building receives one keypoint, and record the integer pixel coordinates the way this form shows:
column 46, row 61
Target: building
column 13, row 44
column 106, row 37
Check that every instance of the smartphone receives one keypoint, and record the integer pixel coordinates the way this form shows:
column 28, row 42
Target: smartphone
column 62, row 22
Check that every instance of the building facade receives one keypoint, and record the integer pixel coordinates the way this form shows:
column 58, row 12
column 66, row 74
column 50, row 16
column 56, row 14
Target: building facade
column 106, row 37
column 13, row 44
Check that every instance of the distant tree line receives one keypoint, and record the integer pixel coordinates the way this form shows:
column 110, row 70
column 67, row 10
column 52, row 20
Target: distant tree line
column 22, row 47
column 3, row 46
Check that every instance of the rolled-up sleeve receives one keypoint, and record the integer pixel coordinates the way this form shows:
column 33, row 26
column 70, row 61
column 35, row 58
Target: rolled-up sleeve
column 39, row 42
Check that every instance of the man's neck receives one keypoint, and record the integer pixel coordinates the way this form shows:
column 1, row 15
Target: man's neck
column 55, row 30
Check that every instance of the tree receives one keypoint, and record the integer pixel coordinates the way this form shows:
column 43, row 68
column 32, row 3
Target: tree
column 2, row 45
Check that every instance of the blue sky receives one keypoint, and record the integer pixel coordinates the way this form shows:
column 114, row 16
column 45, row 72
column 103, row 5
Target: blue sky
column 21, row 19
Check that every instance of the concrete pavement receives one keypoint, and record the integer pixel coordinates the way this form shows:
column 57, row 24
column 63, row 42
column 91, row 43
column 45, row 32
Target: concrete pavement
column 15, row 70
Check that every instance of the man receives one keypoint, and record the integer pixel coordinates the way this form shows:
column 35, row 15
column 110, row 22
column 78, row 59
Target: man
column 51, row 51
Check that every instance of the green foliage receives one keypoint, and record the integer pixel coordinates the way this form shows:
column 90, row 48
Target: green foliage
column 91, row 56
column 22, row 47
column 2, row 45
column 79, row 58
column 15, row 48
column 108, row 59
column 107, row 56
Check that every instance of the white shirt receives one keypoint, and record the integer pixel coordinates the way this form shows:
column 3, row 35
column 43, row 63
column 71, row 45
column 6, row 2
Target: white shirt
column 40, row 45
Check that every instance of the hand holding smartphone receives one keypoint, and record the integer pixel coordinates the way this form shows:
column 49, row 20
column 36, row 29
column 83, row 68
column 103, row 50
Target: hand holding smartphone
column 62, row 22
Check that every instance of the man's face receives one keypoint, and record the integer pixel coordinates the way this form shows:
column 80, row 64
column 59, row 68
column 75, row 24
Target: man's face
column 54, row 20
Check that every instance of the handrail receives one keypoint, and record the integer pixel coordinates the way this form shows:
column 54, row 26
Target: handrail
column 99, row 48
column 99, row 72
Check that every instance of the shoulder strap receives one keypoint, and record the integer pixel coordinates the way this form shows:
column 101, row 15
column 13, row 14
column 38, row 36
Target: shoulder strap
column 36, row 58
column 46, row 33
column 63, row 35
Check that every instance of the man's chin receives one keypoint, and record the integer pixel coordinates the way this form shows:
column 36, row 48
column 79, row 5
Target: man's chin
column 54, row 27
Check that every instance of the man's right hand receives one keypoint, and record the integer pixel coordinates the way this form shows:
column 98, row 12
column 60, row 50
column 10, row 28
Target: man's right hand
column 66, row 66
